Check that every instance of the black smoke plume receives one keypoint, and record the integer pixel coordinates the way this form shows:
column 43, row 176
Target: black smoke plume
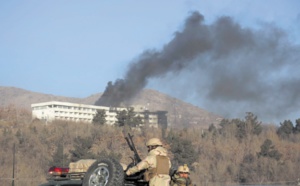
column 232, row 68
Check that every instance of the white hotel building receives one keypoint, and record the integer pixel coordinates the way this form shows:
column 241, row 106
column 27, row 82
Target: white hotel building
column 55, row 110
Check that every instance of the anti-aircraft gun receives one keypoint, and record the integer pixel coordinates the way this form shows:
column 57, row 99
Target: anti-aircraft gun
column 138, row 178
column 131, row 145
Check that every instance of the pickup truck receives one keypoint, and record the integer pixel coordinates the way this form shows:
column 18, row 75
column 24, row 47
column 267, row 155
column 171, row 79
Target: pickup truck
column 104, row 171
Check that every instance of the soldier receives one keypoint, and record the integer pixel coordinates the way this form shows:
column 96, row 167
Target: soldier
column 157, row 164
column 181, row 178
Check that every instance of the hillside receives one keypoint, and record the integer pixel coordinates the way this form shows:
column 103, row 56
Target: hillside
column 180, row 113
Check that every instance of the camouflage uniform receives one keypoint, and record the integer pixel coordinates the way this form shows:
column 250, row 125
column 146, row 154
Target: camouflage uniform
column 179, row 181
column 150, row 163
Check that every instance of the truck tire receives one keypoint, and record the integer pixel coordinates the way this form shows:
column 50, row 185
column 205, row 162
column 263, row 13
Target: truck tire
column 104, row 172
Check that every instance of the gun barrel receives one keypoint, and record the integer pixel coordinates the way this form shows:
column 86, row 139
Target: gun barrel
column 132, row 147
column 129, row 144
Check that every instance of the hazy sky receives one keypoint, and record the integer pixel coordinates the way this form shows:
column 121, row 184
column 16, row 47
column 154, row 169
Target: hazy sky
column 74, row 48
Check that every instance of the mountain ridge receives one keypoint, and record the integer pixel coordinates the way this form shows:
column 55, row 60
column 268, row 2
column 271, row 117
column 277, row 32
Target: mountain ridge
column 180, row 113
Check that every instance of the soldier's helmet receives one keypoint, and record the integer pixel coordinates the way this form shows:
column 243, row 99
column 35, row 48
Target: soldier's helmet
column 184, row 169
column 154, row 142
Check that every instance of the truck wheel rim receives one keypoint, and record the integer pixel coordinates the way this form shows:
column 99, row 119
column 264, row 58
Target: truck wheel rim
column 99, row 176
